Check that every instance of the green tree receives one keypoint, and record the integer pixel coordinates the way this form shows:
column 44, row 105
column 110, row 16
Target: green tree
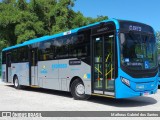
column 29, row 27
column 158, row 41
column 21, row 20
column 8, row 1
column 158, row 36
column 21, row 5
column 8, row 21
column 62, row 16
column 44, row 10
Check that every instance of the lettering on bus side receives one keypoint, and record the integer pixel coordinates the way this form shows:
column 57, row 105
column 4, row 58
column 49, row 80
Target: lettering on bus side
column 103, row 28
column 56, row 66
column 74, row 62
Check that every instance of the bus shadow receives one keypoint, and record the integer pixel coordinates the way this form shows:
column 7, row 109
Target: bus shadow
column 45, row 91
column 129, row 102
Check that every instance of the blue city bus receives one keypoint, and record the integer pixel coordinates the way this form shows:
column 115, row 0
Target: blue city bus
column 112, row 58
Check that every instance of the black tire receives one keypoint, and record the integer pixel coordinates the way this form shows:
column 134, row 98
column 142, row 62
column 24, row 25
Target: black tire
column 78, row 91
column 16, row 83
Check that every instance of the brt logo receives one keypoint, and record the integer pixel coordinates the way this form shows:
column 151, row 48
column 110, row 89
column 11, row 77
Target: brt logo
column 56, row 66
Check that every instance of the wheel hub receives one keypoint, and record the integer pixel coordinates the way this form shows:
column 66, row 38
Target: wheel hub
column 80, row 89
column 16, row 82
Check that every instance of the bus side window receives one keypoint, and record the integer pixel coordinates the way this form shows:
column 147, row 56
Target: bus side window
column 4, row 57
column 45, row 50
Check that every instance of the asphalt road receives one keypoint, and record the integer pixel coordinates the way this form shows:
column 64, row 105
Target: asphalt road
column 36, row 99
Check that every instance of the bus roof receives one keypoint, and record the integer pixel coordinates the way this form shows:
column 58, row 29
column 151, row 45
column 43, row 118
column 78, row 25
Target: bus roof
column 44, row 38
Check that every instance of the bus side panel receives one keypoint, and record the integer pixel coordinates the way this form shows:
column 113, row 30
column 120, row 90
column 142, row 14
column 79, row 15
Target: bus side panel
column 34, row 75
column 48, row 74
column 22, row 72
column 57, row 74
column 9, row 74
column 64, row 74
column 4, row 73
column 68, row 71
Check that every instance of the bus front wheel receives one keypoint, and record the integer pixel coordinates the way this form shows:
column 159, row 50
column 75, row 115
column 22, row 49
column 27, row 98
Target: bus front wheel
column 16, row 83
column 78, row 90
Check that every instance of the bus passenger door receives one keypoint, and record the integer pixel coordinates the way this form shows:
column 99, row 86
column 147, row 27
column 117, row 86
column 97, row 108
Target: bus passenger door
column 34, row 67
column 8, row 67
column 103, row 69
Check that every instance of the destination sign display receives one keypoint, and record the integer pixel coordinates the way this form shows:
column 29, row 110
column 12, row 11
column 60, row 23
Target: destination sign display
column 134, row 26
column 103, row 27
column 74, row 62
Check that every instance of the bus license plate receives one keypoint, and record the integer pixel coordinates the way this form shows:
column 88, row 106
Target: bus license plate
column 146, row 93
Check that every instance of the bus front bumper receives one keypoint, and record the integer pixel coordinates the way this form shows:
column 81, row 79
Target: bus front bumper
column 135, row 89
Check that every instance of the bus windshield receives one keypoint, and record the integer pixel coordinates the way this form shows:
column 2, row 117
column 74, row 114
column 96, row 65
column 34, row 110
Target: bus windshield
column 138, row 51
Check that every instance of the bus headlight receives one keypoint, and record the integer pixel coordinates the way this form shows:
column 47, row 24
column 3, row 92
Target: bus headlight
column 125, row 81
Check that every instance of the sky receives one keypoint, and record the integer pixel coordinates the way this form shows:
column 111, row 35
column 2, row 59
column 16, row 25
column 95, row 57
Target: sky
column 145, row 11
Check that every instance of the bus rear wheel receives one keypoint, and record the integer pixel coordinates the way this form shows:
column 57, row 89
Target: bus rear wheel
column 16, row 83
column 78, row 90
